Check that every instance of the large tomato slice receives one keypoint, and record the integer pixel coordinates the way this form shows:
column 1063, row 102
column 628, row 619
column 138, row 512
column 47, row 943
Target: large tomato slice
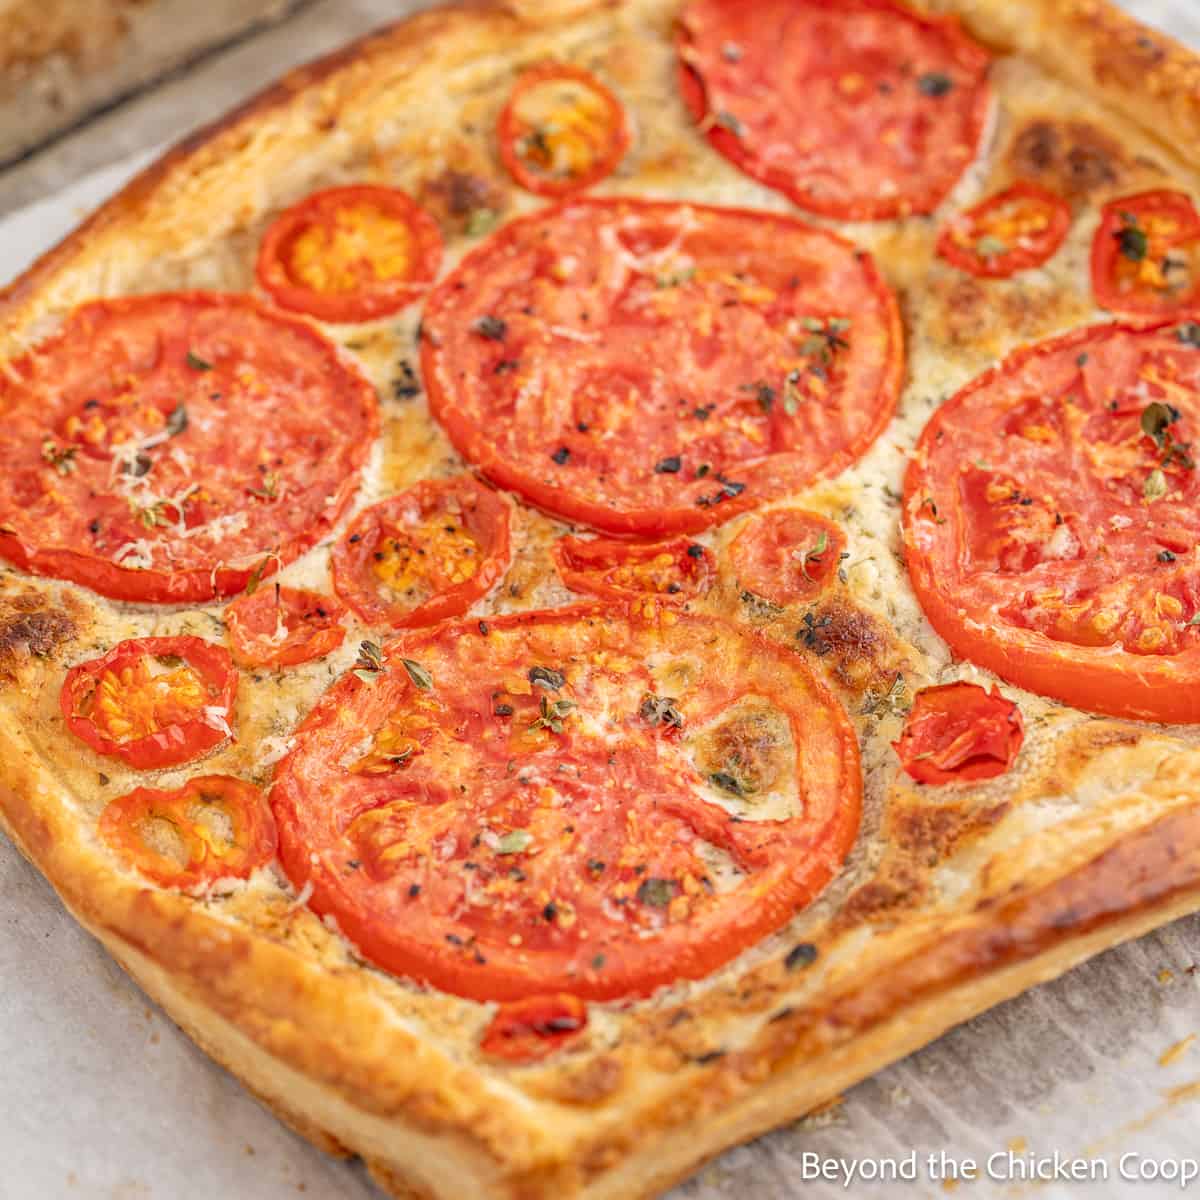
column 350, row 253
column 568, row 801
column 157, row 446
column 214, row 827
column 152, row 702
column 857, row 109
column 562, row 130
column 1018, row 228
column 1146, row 254
column 424, row 554
column 1051, row 522
column 654, row 368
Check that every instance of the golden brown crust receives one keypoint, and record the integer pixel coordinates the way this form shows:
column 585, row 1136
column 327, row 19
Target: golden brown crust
column 951, row 903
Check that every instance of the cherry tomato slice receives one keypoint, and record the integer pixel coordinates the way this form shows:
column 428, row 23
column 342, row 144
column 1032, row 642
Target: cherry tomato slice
column 1146, row 254
column 958, row 733
column 622, row 570
column 861, row 110
column 1052, row 520
column 425, row 554
column 213, row 827
column 561, row 131
column 580, row 800
column 152, row 702
column 350, row 254
column 524, row 1031
column 786, row 555
column 1014, row 230
column 158, row 446
column 276, row 626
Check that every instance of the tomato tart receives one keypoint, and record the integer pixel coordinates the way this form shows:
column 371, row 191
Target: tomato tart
column 658, row 573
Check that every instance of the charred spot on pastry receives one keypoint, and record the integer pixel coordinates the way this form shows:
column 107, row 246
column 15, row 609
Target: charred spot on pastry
column 1074, row 158
column 30, row 632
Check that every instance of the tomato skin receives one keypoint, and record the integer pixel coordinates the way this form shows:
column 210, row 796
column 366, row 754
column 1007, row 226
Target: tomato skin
column 312, row 622
column 607, row 567
column 959, row 733
column 243, row 805
column 504, row 316
column 524, row 1031
column 108, row 348
column 510, row 129
column 958, row 239
column 775, row 555
column 840, row 168
column 483, row 514
column 978, row 609
column 1109, row 260
column 389, row 852
column 176, row 743
column 378, row 298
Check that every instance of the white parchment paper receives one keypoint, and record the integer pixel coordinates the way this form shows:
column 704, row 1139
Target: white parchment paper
column 102, row 1098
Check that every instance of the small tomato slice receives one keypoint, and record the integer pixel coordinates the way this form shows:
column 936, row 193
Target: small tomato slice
column 786, row 555
column 283, row 627
column 350, row 254
column 527, row 1030
column 152, row 702
column 959, row 732
column 425, row 554
column 214, row 827
column 1014, row 230
column 1146, row 254
column 621, row 570
column 562, row 130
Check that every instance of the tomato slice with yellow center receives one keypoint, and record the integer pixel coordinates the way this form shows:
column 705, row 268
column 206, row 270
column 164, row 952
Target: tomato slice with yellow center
column 958, row 733
column 1051, row 524
column 856, row 109
column 350, row 254
column 786, row 555
column 276, row 626
column 213, row 827
column 1146, row 254
column 425, row 554
column 153, row 702
column 652, row 369
column 578, row 800
column 1014, row 230
column 562, row 130
column 617, row 569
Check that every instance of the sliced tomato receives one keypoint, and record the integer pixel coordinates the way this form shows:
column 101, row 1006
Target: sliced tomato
column 1146, row 254
column 787, row 555
column 528, row 1030
column 856, row 109
column 562, row 130
column 157, row 447
column 1014, row 230
column 350, row 254
column 425, row 554
column 616, row 569
column 651, row 369
column 153, row 702
column 573, row 800
column 959, row 732
column 214, row 827
column 1052, row 524
column 277, row 626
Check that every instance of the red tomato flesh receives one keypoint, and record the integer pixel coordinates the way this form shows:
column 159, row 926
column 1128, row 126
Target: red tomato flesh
column 787, row 555
column 623, row 570
column 1014, row 230
column 277, row 626
column 958, row 733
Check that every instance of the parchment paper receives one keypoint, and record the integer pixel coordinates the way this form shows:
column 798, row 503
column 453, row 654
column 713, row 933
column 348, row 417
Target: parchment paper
column 102, row 1098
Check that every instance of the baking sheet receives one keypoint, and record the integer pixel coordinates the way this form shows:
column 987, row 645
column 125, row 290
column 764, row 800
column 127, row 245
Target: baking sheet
column 102, row 1098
